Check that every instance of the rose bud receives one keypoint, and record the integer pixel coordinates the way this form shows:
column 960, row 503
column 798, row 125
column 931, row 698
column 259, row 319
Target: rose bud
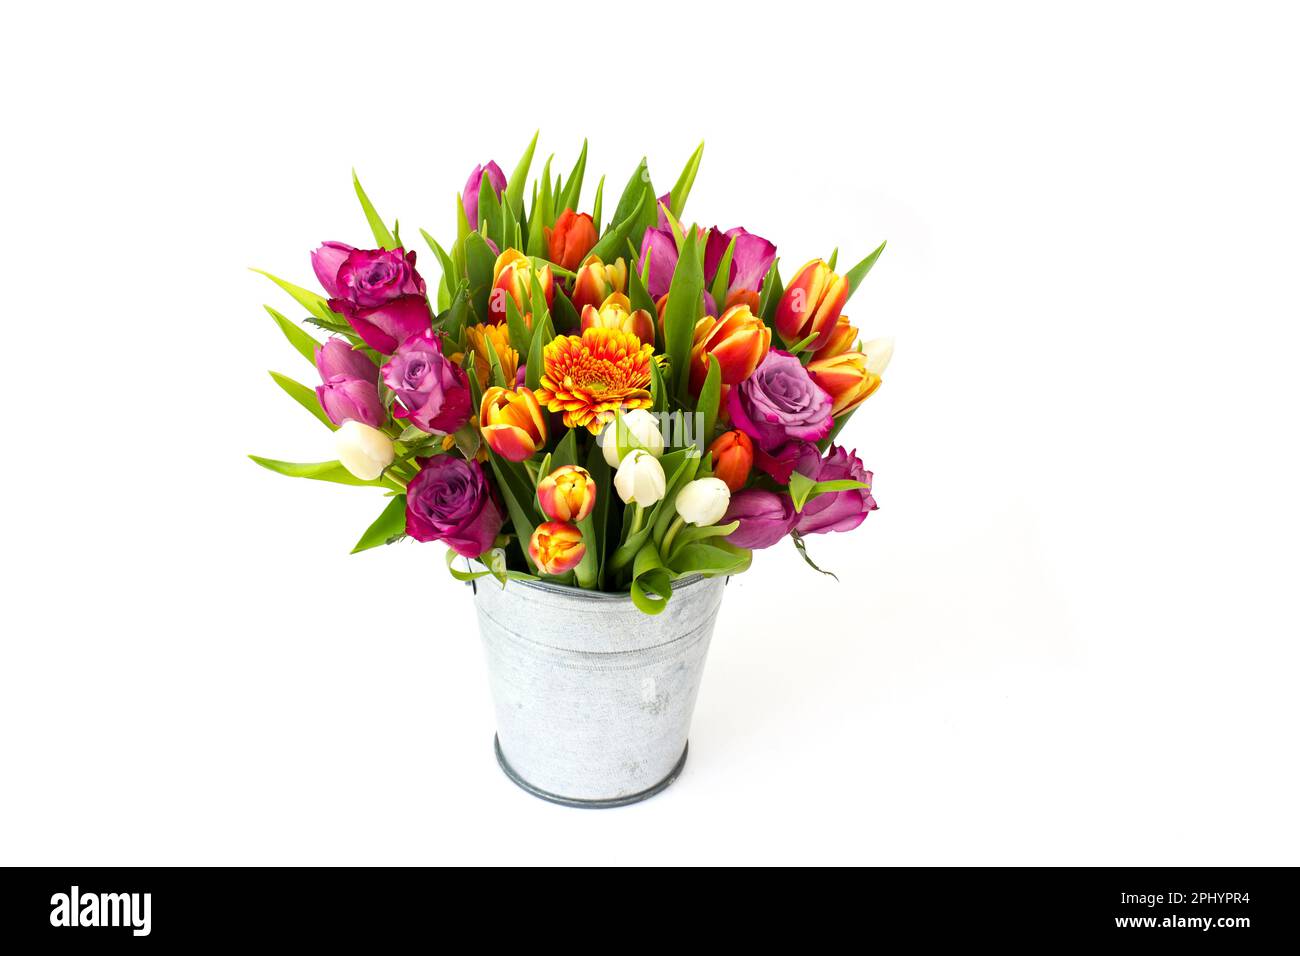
column 635, row 429
column 765, row 518
column 846, row 379
column 596, row 282
column 571, row 239
column 556, row 547
column 738, row 338
column 616, row 313
column 451, row 501
column 703, row 501
column 513, row 276
column 474, row 185
column 431, row 390
column 364, row 451
column 640, row 479
column 567, row 494
column 839, row 341
column 878, row 353
column 733, row 457
column 811, row 304
column 326, row 262
column 512, row 422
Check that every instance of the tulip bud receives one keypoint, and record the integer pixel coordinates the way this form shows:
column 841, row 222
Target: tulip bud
column 567, row 494
column 512, row 422
column 810, row 304
column 738, row 338
column 556, row 547
column 596, row 282
column 513, row 276
column 616, row 313
column 743, row 297
column 571, row 239
column 703, row 501
column 364, row 451
column 841, row 339
column 640, row 479
column 846, row 379
column 878, row 353
column 635, row 429
column 733, row 457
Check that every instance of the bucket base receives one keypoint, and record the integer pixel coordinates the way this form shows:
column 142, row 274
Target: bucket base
column 523, row 784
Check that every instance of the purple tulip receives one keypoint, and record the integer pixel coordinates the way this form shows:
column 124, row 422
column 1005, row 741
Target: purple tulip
column 834, row 510
column 326, row 261
column 662, row 248
column 780, row 403
column 750, row 260
column 432, row 390
column 338, row 358
column 472, row 186
column 449, row 500
column 765, row 518
column 355, row 399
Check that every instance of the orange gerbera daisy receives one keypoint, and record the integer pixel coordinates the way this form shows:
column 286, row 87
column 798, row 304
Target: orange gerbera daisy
column 592, row 376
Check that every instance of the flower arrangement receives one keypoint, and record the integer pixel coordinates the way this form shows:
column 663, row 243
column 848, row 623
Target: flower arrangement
column 610, row 404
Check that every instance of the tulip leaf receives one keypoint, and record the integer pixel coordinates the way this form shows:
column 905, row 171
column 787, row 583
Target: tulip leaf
column 304, row 396
column 521, row 337
column 637, row 294
column 803, row 489
column 691, row 533
column 652, row 586
column 709, row 559
column 564, row 313
column 479, row 262
column 599, row 517
column 658, row 390
column 518, row 497
column 300, row 340
column 310, row 301
column 629, row 203
column 510, row 238
column 684, row 301
column 452, row 321
column 723, row 279
column 519, row 178
column 566, row 452
column 772, row 290
column 612, row 241
column 835, row 255
column 382, row 235
column 710, row 398
column 495, row 570
column 573, row 190
column 496, row 374
column 390, row 526
column 797, row 538
column 682, row 189
column 804, row 343
column 543, row 333
column 322, row 471
column 489, row 212
column 859, row 272
column 666, row 509
column 540, row 215
column 598, row 207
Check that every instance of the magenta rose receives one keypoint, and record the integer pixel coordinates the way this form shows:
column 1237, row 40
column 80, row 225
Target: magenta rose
column 377, row 290
column 780, row 403
column 765, row 518
column 432, row 390
column 326, row 262
column 834, row 510
column 474, row 185
column 450, row 500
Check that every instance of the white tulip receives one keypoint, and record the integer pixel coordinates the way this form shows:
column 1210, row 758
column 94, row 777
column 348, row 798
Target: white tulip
column 703, row 501
column 637, row 428
column 878, row 352
column 364, row 451
column 640, row 479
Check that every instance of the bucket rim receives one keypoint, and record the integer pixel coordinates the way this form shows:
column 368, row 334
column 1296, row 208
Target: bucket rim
column 549, row 587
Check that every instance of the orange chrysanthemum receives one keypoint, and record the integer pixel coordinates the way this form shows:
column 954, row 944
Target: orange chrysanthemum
column 592, row 377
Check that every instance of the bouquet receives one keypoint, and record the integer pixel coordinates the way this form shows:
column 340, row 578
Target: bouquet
column 607, row 403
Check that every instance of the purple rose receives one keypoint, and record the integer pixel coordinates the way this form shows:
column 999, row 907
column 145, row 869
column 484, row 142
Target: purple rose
column 765, row 518
column 433, row 391
column 450, row 501
column 780, row 461
column 750, row 260
column 834, row 510
column 780, row 403
column 371, row 277
column 377, row 290
column 472, row 186
column 337, row 357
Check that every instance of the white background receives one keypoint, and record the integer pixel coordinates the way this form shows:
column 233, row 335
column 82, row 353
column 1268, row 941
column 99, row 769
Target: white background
column 1067, row 636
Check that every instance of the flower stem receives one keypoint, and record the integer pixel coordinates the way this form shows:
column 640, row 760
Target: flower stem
column 667, row 547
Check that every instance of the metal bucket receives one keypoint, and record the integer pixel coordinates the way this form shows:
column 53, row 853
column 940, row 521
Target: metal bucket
column 593, row 697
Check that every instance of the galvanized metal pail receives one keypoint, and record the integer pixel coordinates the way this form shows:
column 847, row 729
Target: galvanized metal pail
column 593, row 697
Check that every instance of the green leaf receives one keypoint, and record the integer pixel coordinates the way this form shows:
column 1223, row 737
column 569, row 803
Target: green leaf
column 444, row 260
column 518, row 494
column 566, row 452
column 684, row 303
column 710, row 398
column 479, row 262
column 682, row 189
column 723, row 278
column 452, row 321
column 310, row 301
column 835, row 256
column 300, row 340
column 543, row 333
column 304, row 396
column 573, row 189
column 709, row 558
column 322, row 471
column 797, row 538
column 611, row 243
column 599, row 517
column 495, row 570
column 772, row 290
column 803, row 489
column 382, row 235
column 519, row 178
column 652, row 586
column 387, row 528
column 489, row 212
column 804, row 343
column 859, row 272
column 598, row 208
column 691, row 533
column 539, row 217
column 521, row 337
column 658, row 389
column 629, row 203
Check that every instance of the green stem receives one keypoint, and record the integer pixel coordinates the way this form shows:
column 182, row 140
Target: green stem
column 667, row 547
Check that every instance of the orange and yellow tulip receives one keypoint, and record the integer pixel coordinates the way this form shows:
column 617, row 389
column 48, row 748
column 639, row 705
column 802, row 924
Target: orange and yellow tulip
column 839, row 341
column 811, row 304
column 571, row 239
column 512, row 422
column 733, row 457
column 477, row 338
column 556, row 547
column 738, row 339
column 596, row 282
column 846, row 378
column 567, row 494
column 513, row 276
column 616, row 313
